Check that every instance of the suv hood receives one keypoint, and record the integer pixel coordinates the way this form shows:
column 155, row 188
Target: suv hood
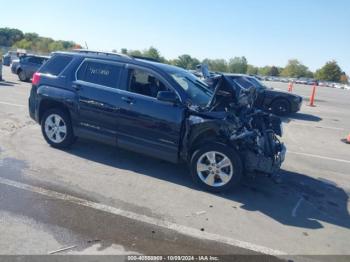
column 281, row 93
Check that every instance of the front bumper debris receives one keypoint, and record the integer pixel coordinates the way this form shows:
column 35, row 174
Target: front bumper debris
column 268, row 165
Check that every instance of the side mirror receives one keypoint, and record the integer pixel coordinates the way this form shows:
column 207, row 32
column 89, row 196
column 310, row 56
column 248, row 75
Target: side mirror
column 167, row 96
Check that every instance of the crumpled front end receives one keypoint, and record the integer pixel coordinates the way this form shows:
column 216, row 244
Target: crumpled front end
column 262, row 151
column 259, row 163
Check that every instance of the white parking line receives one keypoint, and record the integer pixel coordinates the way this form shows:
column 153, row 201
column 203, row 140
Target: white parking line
column 11, row 104
column 317, row 126
column 192, row 232
column 321, row 157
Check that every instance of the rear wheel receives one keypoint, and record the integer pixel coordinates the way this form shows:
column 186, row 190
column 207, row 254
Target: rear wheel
column 216, row 167
column 22, row 76
column 280, row 107
column 57, row 128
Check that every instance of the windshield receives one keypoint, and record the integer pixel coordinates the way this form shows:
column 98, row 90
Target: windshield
column 198, row 92
column 256, row 82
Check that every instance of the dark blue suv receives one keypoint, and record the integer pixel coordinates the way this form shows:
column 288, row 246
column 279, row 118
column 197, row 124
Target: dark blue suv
column 158, row 110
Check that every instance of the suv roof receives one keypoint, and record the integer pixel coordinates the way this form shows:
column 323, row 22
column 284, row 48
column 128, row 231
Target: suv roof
column 32, row 55
column 142, row 61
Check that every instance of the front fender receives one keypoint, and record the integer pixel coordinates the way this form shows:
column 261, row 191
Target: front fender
column 196, row 128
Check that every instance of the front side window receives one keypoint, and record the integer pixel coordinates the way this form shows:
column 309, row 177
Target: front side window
column 243, row 82
column 197, row 90
column 145, row 83
column 99, row 73
column 256, row 83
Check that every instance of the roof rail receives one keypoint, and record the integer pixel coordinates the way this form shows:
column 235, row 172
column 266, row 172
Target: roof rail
column 88, row 51
column 145, row 58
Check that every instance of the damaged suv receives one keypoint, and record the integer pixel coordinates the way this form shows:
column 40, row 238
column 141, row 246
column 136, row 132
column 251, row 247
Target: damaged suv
column 157, row 110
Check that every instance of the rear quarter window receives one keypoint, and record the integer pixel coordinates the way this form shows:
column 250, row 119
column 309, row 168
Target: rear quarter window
column 56, row 65
column 99, row 73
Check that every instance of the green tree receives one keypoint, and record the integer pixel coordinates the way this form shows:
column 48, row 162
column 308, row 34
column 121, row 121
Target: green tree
column 186, row 62
column 23, row 44
column 135, row 53
column 252, row 70
column 216, row 65
column 295, row 68
column 264, row 71
column 331, row 71
column 238, row 65
column 55, row 46
column 9, row 36
column 31, row 36
column 153, row 53
column 124, row 51
column 15, row 38
column 274, row 71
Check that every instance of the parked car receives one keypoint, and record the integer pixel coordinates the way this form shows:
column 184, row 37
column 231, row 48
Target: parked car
column 301, row 80
column 312, row 82
column 10, row 56
column 276, row 101
column 27, row 65
column 158, row 110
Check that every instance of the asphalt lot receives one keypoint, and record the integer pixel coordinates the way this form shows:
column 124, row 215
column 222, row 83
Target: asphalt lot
column 42, row 192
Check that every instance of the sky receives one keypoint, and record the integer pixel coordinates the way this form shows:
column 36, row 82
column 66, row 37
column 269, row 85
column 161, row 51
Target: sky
column 266, row 32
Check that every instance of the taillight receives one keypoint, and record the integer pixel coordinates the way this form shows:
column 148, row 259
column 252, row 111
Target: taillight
column 36, row 78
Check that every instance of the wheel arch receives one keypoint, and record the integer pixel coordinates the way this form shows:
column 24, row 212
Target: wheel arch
column 202, row 136
column 47, row 104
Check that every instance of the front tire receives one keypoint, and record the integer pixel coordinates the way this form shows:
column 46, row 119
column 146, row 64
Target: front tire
column 280, row 107
column 57, row 129
column 216, row 167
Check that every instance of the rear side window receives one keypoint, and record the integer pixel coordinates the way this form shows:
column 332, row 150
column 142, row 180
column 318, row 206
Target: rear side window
column 56, row 64
column 99, row 73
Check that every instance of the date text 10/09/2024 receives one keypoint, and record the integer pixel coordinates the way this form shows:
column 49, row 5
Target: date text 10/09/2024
column 173, row 258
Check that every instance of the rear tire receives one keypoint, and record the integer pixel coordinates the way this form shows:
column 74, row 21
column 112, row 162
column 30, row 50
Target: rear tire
column 280, row 107
column 57, row 129
column 216, row 167
column 22, row 76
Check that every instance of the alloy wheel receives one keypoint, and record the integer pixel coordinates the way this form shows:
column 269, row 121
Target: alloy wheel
column 55, row 128
column 214, row 169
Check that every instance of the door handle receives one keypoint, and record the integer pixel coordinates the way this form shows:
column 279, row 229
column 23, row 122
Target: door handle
column 128, row 100
column 76, row 86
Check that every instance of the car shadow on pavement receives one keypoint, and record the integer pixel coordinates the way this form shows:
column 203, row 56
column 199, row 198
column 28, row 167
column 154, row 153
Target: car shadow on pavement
column 7, row 83
column 299, row 200
column 301, row 116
